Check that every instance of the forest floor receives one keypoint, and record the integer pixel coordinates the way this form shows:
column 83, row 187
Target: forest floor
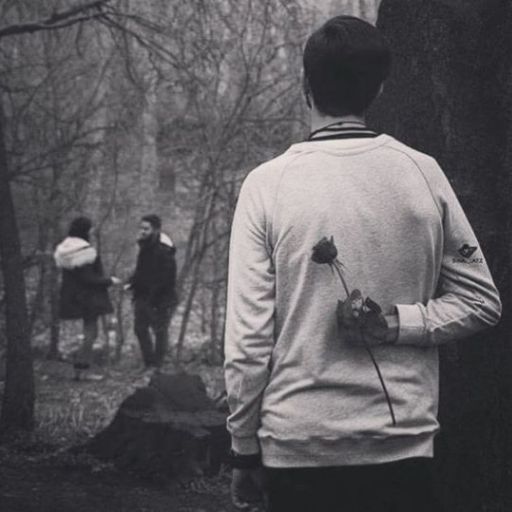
column 40, row 474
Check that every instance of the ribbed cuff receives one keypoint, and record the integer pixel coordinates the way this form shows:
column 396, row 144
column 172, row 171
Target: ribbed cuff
column 245, row 445
column 411, row 326
column 238, row 461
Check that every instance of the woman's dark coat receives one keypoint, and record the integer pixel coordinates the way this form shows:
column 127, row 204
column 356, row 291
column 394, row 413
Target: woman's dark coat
column 83, row 292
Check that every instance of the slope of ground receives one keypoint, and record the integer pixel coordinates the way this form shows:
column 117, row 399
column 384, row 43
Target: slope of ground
column 39, row 474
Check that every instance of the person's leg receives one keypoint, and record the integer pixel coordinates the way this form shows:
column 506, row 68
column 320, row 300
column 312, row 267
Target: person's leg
column 402, row 486
column 83, row 357
column 160, row 325
column 287, row 490
column 142, row 323
column 323, row 489
column 411, row 486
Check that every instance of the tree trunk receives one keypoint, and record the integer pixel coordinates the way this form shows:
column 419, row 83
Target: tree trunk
column 187, row 311
column 18, row 399
column 214, row 287
column 53, row 351
column 36, row 307
column 450, row 96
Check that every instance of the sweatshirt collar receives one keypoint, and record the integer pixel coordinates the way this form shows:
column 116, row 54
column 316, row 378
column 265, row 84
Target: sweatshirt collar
column 342, row 130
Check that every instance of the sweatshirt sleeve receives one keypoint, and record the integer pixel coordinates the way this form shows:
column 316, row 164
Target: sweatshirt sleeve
column 467, row 300
column 249, row 318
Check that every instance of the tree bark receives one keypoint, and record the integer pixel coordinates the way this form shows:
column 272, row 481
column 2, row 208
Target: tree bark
column 18, row 400
column 450, row 96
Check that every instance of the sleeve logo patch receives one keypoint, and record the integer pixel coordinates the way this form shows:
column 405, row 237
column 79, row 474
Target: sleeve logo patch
column 466, row 251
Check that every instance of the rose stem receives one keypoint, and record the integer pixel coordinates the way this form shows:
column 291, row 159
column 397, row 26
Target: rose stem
column 368, row 349
column 342, row 279
column 382, row 383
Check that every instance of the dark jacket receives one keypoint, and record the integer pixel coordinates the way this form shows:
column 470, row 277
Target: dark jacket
column 83, row 292
column 154, row 278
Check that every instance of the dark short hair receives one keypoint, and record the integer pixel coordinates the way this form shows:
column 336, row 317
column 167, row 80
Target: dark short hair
column 154, row 220
column 345, row 63
column 80, row 227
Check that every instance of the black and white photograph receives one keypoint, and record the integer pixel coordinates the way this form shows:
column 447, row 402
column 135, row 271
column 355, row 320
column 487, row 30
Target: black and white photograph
column 255, row 255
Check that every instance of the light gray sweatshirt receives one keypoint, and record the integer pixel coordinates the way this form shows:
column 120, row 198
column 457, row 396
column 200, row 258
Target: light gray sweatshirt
column 296, row 389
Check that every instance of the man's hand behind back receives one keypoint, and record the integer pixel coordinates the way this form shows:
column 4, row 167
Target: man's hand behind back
column 362, row 323
column 247, row 489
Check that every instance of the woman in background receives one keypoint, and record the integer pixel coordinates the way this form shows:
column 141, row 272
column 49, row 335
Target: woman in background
column 84, row 288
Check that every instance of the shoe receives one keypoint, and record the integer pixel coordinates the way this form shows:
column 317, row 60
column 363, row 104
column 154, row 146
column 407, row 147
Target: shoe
column 94, row 377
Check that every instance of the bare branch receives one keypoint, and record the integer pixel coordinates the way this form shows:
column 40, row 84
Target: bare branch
column 57, row 20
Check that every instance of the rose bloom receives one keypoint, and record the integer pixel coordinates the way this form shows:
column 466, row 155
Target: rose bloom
column 325, row 251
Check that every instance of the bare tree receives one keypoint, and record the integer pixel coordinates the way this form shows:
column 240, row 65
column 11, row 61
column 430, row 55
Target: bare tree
column 18, row 399
column 240, row 103
column 72, row 143
column 109, row 97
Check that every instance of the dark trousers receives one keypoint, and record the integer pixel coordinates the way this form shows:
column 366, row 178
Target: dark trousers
column 157, row 319
column 403, row 486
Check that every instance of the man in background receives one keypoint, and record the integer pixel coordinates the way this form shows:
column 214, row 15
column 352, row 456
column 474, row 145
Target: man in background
column 153, row 285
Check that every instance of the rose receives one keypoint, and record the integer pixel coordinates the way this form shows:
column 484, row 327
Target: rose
column 325, row 251
column 360, row 321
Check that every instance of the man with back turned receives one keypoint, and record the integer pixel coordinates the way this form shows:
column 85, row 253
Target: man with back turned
column 351, row 261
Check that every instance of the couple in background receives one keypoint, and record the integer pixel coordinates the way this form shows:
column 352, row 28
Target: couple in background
column 84, row 289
